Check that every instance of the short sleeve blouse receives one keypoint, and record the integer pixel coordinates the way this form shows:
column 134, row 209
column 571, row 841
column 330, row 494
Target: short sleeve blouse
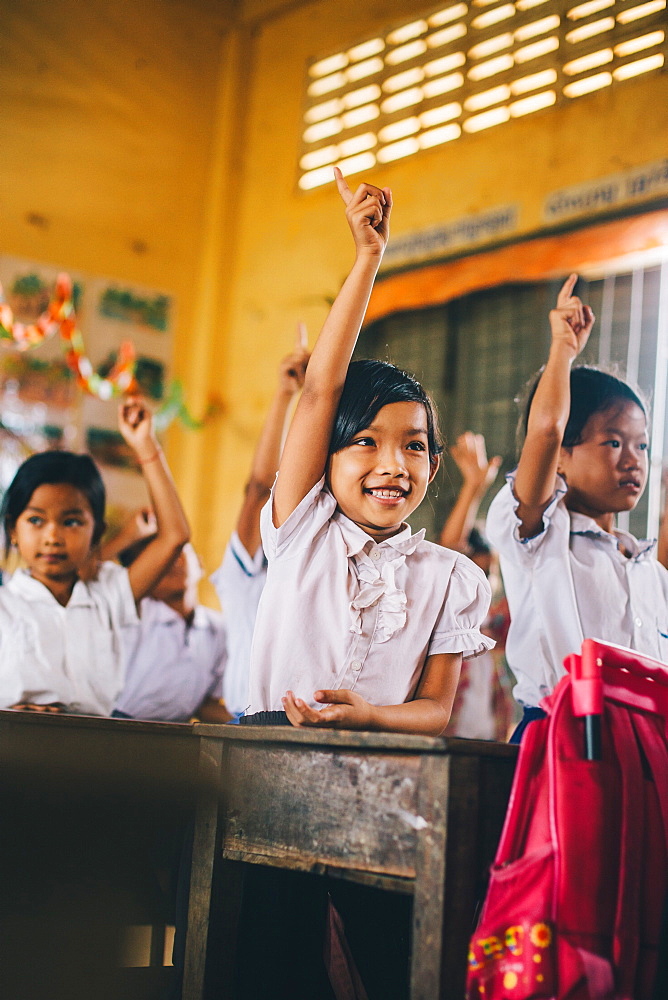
column 572, row 581
column 342, row 611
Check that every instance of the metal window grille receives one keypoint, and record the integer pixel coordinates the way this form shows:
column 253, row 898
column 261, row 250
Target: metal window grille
column 475, row 355
column 466, row 67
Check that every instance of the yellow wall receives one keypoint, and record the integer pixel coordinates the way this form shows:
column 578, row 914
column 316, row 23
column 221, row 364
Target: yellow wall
column 177, row 125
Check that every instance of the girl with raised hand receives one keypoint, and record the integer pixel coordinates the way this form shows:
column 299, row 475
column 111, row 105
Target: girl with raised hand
column 361, row 625
column 569, row 572
column 59, row 624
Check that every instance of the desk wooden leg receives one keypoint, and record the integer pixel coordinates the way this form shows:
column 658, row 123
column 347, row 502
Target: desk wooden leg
column 206, row 857
column 429, row 893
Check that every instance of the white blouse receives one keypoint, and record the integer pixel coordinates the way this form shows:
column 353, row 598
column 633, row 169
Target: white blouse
column 341, row 611
column 239, row 582
column 569, row 582
column 70, row 654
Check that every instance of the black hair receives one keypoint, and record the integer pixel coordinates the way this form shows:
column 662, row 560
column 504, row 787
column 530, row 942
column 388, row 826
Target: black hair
column 51, row 467
column 592, row 391
column 371, row 385
column 478, row 544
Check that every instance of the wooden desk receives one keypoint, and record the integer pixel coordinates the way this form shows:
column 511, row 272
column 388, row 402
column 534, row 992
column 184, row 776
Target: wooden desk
column 84, row 803
column 410, row 814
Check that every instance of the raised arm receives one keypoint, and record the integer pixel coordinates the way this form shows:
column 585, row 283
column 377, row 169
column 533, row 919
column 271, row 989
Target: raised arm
column 141, row 525
column 478, row 474
column 268, row 451
column 136, row 426
column 304, row 457
column 571, row 323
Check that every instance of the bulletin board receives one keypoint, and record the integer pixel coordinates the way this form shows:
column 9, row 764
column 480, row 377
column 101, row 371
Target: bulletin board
column 41, row 405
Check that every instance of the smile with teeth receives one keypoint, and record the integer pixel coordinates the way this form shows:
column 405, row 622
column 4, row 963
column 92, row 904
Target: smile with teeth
column 385, row 493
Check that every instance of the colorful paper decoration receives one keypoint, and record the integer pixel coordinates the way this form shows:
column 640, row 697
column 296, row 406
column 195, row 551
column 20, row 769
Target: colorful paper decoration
column 60, row 317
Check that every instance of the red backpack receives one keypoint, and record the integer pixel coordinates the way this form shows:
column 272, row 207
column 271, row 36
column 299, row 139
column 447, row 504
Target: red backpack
column 576, row 896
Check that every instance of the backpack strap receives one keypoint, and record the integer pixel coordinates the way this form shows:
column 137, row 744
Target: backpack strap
column 626, row 940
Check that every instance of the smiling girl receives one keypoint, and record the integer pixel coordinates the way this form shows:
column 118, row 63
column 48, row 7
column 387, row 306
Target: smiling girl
column 362, row 625
column 59, row 632
column 568, row 570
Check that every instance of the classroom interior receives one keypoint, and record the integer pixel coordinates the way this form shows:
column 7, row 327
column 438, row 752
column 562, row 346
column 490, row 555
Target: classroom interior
column 186, row 146
column 159, row 144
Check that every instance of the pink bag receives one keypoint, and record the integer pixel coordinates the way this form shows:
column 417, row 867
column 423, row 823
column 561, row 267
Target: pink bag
column 577, row 889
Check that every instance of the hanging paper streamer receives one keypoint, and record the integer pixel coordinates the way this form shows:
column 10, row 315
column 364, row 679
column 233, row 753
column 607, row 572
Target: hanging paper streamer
column 57, row 315
column 174, row 408
column 60, row 317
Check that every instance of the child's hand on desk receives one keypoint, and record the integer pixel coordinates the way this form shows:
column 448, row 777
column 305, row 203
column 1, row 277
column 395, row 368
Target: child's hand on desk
column 54, row 708
column 344, row 710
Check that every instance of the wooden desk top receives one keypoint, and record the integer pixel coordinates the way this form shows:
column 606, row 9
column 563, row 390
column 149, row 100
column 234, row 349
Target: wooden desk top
column 354, row 740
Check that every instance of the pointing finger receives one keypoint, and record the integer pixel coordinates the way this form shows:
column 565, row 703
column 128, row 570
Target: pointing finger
column 301, row 342
column 342, row 185
column 567, row 289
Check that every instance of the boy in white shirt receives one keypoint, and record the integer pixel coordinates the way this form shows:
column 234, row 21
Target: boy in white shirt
column 177, row 653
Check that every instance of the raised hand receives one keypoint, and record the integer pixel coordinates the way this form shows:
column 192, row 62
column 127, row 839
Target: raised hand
column 292, row 369
column 571, row 322
column 135, row 422
column 470, row 454
column 368, row 214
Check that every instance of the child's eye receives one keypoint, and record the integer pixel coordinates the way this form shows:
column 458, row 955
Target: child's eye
column 613, row 442
column 643, row 445
column 34, row 520
column 416, row 446
column 73, row 522
column 368, row 441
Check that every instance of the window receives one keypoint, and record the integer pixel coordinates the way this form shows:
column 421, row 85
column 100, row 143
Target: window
column 466, row 67
column 475, row 355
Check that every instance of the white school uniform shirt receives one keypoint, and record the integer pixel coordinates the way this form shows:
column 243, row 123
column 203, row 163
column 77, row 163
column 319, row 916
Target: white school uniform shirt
column 334, row 599
column 239, row 582
column 70, row 654
column 571, row 582
column 171, row 667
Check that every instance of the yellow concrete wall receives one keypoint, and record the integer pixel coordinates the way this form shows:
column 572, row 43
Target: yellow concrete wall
column 110, row 125
column 293, row 247
column 176, row 125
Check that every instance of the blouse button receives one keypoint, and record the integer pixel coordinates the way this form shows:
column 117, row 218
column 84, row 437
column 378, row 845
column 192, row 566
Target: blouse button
column 375, row 554
column 638, row 622
column 356, row 665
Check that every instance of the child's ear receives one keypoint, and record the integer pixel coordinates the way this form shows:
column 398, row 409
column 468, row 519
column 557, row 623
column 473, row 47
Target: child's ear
column 434, row 466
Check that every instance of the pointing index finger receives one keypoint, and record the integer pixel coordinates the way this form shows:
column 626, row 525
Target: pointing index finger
column 342, row 185
column 301, row 341
column 567, row 289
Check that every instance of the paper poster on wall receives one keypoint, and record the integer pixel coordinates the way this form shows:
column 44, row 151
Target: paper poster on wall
column 41, row 405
